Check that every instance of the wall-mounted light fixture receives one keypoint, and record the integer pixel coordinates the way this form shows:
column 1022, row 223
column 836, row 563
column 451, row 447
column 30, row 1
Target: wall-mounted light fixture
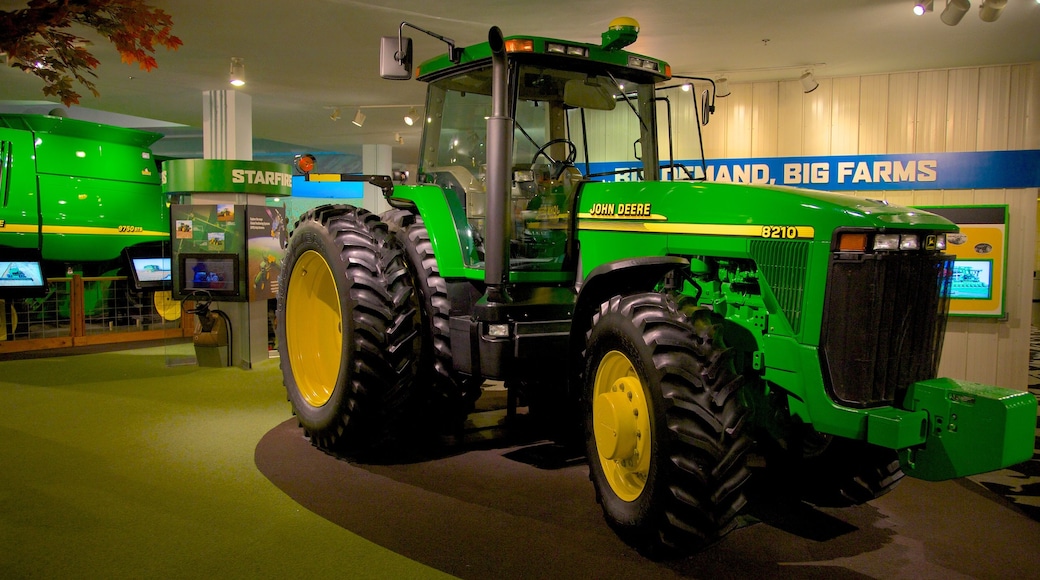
column 809, row 83
column 359, row 118
column 237, row 77
column 411, row 116
column 922, row 6
column 989, row 10
column 954, row 11
column 722, row 87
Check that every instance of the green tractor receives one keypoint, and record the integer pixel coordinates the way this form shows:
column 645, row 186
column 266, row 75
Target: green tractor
column 672, row 324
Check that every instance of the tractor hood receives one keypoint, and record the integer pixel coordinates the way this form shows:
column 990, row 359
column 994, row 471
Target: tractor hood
column 662, row 206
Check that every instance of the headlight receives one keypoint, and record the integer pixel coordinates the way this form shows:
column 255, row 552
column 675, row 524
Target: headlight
column 886, row 242
column 908, row 242
column 940, row 242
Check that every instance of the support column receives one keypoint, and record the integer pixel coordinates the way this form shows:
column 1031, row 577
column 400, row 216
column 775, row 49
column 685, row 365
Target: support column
column 227, row 133
column 376, row 160
column 227, row 125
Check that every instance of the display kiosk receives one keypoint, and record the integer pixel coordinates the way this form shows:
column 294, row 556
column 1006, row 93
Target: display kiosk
column 228, row 245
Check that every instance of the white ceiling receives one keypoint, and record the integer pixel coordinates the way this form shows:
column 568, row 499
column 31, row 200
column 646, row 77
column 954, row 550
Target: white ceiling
column 306, row 56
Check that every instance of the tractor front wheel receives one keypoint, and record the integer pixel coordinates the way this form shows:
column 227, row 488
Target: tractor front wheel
column 663, row 424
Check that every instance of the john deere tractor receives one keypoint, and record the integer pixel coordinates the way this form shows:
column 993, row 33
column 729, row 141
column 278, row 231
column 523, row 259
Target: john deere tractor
column 671, row 324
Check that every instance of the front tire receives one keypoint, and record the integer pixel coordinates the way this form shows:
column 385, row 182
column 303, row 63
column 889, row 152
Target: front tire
column 347, row 330
column 664, row 428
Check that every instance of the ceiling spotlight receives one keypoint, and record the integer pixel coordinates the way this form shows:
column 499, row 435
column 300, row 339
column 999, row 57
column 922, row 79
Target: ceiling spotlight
column 238, row 72
column 410, row 116
column 989, row 10
column 359, row 118
column 954, row 11
column 809, row 83
column 335, row 116
column 686, row 87
column 398, row 139
column 922, row 6
column 721, row 87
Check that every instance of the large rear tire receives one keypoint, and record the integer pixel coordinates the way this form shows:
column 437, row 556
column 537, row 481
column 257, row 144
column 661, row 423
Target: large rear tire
column 664, row 428
column 450, row 394
column 347, row 330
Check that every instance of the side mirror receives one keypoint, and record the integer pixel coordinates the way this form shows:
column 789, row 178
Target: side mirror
column 706, row 108
column 395, row 58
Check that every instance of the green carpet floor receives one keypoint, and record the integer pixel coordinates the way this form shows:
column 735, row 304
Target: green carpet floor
column 115, row 465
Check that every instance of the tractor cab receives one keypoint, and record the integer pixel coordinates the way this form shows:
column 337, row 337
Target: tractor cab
column 564, row 98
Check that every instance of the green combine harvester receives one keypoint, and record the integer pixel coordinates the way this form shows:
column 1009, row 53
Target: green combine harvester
column 75, row 197
column 669, row 323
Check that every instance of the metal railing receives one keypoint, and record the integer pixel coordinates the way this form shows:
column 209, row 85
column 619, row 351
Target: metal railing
column 82, row 311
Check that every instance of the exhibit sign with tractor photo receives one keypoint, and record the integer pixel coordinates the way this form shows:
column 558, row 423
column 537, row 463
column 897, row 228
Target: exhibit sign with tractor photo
column 668, row 323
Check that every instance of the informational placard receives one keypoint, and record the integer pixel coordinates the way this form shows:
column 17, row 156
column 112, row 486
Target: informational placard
column 980, row 249
column 214, row 230
column 265, row 250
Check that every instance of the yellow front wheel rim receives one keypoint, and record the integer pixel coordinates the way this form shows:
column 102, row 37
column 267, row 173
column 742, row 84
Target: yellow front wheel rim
column 621, row 425
column 313, row 328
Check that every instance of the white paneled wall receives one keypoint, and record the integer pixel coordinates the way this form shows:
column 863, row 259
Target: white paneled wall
column 966, row 109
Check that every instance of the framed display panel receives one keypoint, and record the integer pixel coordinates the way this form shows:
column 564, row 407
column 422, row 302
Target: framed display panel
column 214, row 231
column 215, row 273
column 979, row 280
column 21, row 273
column 150, row 267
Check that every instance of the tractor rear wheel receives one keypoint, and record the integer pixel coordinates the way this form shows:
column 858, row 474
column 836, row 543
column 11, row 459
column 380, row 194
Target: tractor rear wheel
column 664, row 424
column 347, row 330
column 450, row 394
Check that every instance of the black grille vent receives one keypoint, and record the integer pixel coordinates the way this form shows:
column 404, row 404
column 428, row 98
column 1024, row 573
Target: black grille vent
column 883, row 324
column 783, row 264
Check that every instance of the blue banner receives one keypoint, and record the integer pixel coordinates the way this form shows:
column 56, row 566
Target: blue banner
column 970, row 170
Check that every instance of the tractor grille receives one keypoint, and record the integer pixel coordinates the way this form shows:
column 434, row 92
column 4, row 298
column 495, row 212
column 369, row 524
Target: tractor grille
column 883, row 324
column 783, row 265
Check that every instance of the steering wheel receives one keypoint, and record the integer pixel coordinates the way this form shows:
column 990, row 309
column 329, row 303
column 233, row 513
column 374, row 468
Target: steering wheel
column 557, row 166
column 202, row 300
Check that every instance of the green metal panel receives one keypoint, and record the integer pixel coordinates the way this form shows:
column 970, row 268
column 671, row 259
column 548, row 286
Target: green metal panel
column 971, row 429
column 88, row 219
column 19, row 206
column 83, row 149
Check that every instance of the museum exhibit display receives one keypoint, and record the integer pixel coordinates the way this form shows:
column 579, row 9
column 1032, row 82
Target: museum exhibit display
column 665, row 322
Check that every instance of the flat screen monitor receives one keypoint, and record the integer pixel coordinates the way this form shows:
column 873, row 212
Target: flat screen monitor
column 215, row 273
column 972, row 279
column 21, row 273
column 149, row 267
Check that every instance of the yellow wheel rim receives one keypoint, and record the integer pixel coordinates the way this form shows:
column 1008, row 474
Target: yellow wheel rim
column 313, row 328
column 621, row 425
column 166, row 306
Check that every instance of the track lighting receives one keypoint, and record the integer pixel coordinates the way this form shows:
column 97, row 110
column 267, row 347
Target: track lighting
column 922, row 6
column 410, row 116
column 722, row 87
column 238, row 72
column 335, row 116
column 954, row 11
column 359, row 118
column 989, row 10
column 809, row 83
